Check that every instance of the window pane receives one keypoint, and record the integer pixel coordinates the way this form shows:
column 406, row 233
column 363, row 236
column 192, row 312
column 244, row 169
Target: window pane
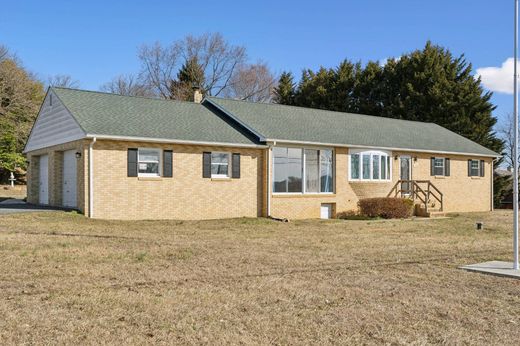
column 149, row 155
column 354, row 166
column 366, row 166
column 294, row 170
column 280, row 169
column 149, row 168
column 383, row 167
column 388, row 167
column 375, row 166
column 219, row 158
column 438, row 168
column 326, row 170
column 475, row 168
column 312, row 181
column 219, row 163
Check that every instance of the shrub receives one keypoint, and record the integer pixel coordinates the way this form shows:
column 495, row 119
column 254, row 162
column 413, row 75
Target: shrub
column 387, row 208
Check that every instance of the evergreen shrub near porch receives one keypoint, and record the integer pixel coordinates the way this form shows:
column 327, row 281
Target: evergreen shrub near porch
column 386, row 208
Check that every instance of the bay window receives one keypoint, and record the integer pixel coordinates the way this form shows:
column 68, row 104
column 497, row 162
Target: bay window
column 297, row 170
column 370, row 165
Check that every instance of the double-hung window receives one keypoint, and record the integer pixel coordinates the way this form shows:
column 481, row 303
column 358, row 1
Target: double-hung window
column 149, row 162
column 220, row 165
column 298, row 170
column 370, row 165
column 476, row 168
column 439, row 166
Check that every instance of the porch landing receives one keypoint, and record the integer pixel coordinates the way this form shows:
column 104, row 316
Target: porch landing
column 498, row 268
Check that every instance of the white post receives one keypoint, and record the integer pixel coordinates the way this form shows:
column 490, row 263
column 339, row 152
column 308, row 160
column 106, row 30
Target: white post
column 515, row 151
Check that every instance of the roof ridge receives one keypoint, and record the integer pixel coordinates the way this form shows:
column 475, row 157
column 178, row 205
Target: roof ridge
column 319, row 109
column 128, row 96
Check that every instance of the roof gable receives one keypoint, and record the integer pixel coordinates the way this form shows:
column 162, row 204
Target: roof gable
column 307, row 125
column 54, row 125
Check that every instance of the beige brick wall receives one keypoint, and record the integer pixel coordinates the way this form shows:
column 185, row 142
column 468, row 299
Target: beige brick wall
column 461, row 193
column 184, row 196
column 55, row 174
column 189, row 196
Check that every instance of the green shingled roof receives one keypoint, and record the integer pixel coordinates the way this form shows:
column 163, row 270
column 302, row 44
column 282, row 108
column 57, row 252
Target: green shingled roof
column 288, row 123
column 114, row 115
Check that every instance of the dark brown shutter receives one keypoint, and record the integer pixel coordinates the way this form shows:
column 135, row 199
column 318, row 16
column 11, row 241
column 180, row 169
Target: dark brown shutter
column 132, row 162
column 235, row 166
column 482, row 168
column 447, row 167
column 432, row 166
column 167, row 163
column 469, row 168
column 206, row 165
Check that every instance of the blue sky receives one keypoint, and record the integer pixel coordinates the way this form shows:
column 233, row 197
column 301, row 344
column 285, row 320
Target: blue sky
column 94, row 41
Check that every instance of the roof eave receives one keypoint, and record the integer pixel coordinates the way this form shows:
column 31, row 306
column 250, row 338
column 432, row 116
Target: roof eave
column 173, row 141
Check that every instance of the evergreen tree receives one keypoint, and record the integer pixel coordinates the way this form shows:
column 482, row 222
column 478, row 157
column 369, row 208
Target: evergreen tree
column 191, row 74
column 284, row 91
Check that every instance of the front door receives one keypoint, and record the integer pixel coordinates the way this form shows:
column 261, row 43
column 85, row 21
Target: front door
column 406, row 174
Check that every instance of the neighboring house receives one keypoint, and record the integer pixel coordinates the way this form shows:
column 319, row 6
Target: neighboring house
column 119, row 157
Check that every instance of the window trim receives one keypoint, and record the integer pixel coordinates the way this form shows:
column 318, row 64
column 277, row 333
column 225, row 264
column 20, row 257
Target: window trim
column 221, row 176
column 304, row 172
column 159, row 163
column 443, row 166
column 371, row 153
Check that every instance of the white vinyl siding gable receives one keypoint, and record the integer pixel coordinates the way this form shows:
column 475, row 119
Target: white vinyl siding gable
column 54, row 125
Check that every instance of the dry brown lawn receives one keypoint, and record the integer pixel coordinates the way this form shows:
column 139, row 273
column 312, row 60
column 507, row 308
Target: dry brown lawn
column 66, row 279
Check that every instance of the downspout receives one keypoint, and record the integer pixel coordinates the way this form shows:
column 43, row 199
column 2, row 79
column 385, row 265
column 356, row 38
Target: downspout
column 269, row 175
column 91, row 178
column 268, row 181
column 492, row 184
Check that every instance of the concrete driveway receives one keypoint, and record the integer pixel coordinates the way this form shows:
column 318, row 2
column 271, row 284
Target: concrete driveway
column 11, row 206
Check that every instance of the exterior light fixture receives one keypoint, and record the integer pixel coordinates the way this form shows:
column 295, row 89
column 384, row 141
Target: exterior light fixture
column 78, row 155
column 396, row 157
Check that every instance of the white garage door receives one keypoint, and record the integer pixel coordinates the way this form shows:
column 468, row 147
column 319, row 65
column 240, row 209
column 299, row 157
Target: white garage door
column 69, row 178
column 44, row 180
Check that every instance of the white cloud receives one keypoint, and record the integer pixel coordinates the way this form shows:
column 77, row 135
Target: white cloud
column 498, row 79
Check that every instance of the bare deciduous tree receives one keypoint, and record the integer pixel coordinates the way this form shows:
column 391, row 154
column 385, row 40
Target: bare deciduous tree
column 253, row 82
column 506, row 132
column 63, row 81
column 217, row 58
column 4, row 52
column 127, row 85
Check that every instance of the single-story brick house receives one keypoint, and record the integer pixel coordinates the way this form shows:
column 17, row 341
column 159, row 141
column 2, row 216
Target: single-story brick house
column 120, row 157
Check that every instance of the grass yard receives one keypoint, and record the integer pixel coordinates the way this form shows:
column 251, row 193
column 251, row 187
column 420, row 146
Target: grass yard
column 66, row 279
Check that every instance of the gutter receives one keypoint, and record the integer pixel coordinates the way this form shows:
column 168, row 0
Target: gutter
column 91, row 178
column 173, row 141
